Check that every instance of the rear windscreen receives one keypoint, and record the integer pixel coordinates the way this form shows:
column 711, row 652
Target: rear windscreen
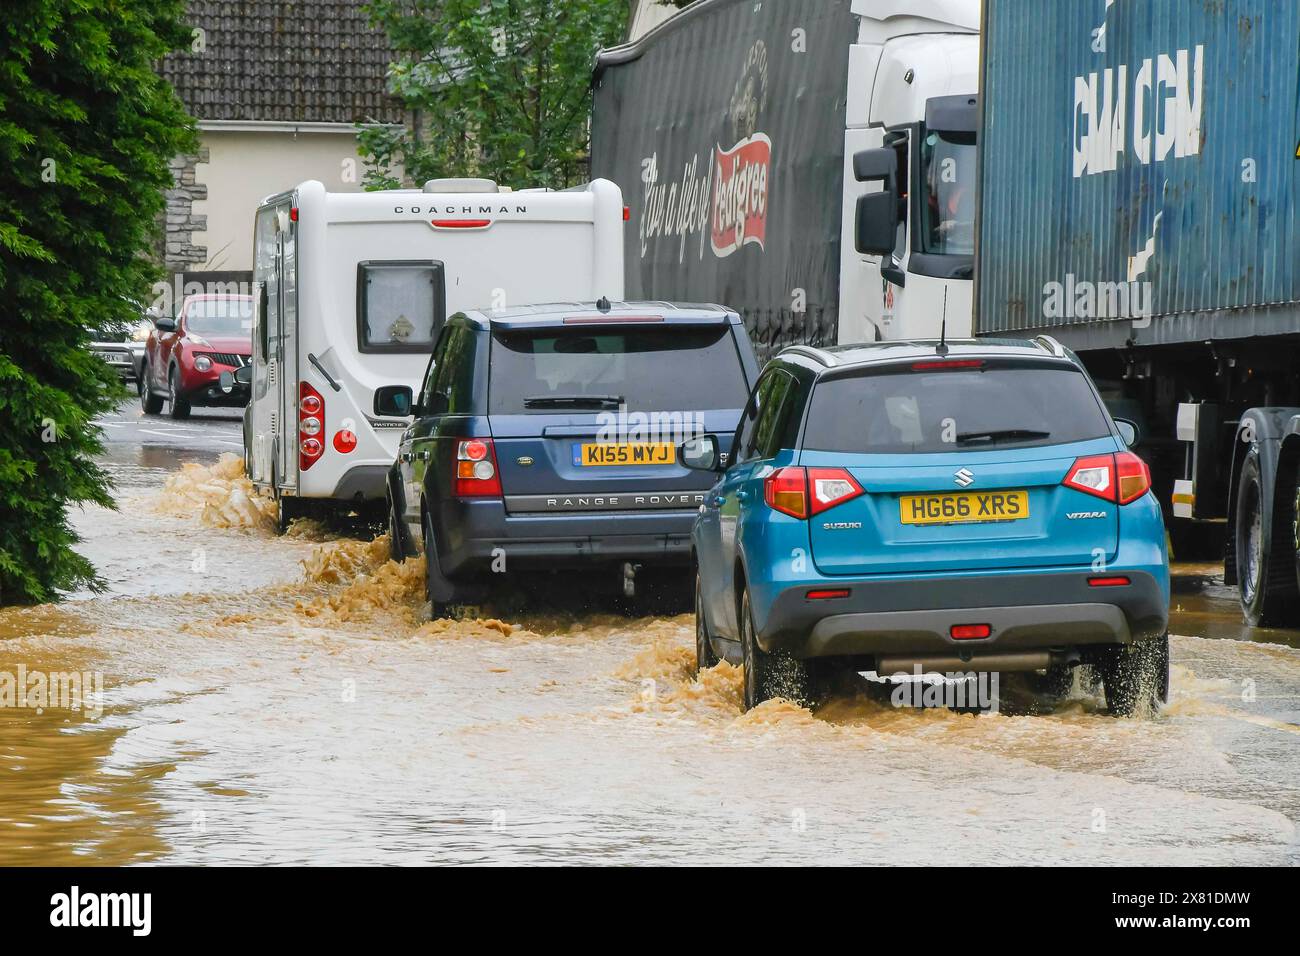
column 664, row 368
column 967, row 410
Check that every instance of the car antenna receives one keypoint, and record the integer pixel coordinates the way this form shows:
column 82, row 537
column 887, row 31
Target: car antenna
column 602, row 304
column 942, row 347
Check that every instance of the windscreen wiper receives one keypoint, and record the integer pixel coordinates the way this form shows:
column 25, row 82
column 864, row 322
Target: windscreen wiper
column 575, row 401
column 1005, row 434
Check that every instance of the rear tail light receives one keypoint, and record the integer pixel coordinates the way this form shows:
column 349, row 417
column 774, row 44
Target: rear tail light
column 1134, row 477
column 476, row 469
column 311, row 415
column 460, row 223
column 969, row 632
column 791, row 490
column 831, row 487
column 1094, row 475
column 786, row 491
column 1121, row 478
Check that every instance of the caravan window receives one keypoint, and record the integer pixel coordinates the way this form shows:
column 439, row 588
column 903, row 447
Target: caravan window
column 400, row 305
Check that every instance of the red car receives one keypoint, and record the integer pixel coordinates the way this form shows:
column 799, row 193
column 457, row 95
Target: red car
column 185, row 356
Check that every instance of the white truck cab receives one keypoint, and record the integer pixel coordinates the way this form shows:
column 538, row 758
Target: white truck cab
column 352, row 289
column 912, row 89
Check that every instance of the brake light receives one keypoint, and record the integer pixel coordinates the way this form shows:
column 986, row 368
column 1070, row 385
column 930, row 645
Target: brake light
column 1118, row 581
column 969, row 632
column 1134, row 477
column 460, row 223
column 827, row 594
column 831, row 487
column 609, row 319
column 1094, row 475
column 1121, row 478
column 311, row 415
column 627, row 213
column 946, row 365
column 786, row 491
column 476, row 469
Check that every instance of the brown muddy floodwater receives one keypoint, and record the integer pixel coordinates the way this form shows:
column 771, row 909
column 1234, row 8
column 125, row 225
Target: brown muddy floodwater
column 280, row 700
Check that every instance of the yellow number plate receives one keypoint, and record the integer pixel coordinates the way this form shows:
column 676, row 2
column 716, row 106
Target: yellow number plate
column 964, row 506
column 629, row 453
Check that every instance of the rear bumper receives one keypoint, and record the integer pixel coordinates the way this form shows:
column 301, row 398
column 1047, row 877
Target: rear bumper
column 471, row 534
column 1026, row 612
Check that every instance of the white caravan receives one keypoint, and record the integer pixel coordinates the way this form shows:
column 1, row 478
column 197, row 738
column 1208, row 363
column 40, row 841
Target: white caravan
column 352, row 289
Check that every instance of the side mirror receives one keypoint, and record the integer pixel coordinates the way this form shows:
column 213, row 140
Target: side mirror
column 164, row 324
column 700, row 454
column 1128, row 431
column 395, row 401
column 876, row 224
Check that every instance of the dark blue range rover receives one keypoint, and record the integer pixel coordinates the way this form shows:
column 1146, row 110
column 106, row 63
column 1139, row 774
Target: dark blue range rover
column 545, row 440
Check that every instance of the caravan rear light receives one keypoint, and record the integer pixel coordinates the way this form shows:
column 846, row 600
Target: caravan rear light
column 476, row 469
column 345, row 441
column 627, row 213
column 311, row 415
column 460, row 223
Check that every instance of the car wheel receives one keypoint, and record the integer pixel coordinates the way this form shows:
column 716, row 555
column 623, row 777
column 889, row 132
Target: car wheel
column 1266, row 560
column 1135, row 677
column 177, row 407
column 437, row 588
column 705, row 655
column 150, row 403
column 770, row 675
column 396, row 533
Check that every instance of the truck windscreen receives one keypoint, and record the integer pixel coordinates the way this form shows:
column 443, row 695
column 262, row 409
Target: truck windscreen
column 947, row 194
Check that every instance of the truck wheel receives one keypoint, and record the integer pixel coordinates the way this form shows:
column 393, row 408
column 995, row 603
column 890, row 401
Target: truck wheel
column 1266, row 570
column 705, row 655
column 150, row 403
column 177, row 407
column 768, row 676
column 1136, row 676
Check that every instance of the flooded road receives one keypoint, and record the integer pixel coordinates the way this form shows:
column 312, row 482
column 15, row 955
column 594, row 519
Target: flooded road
column 281, row 700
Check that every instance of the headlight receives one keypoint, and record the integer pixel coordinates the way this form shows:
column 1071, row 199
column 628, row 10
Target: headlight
column 203, row 363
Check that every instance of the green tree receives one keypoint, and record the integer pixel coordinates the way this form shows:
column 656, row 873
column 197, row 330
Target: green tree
column 497, row 88
column 86, row 131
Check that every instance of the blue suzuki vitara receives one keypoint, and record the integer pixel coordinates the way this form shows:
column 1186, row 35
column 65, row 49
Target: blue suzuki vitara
column 930, row 507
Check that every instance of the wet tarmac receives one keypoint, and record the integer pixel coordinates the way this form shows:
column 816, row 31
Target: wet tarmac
column 270, row 699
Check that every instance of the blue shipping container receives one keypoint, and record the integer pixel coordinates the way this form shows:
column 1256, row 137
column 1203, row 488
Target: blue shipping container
column 1140, row 171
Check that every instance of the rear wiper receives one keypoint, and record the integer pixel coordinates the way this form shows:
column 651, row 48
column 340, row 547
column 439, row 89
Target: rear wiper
column 576, row 401
column 1006, row 434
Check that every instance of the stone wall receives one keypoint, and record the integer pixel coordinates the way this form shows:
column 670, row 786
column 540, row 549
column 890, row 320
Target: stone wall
column 177, row 251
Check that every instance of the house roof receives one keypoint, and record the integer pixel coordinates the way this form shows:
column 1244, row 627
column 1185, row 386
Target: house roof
column 289, row 61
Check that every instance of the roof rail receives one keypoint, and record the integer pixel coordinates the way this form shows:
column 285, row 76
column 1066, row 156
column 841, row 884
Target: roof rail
column 1051, row 345
column 809, row 351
